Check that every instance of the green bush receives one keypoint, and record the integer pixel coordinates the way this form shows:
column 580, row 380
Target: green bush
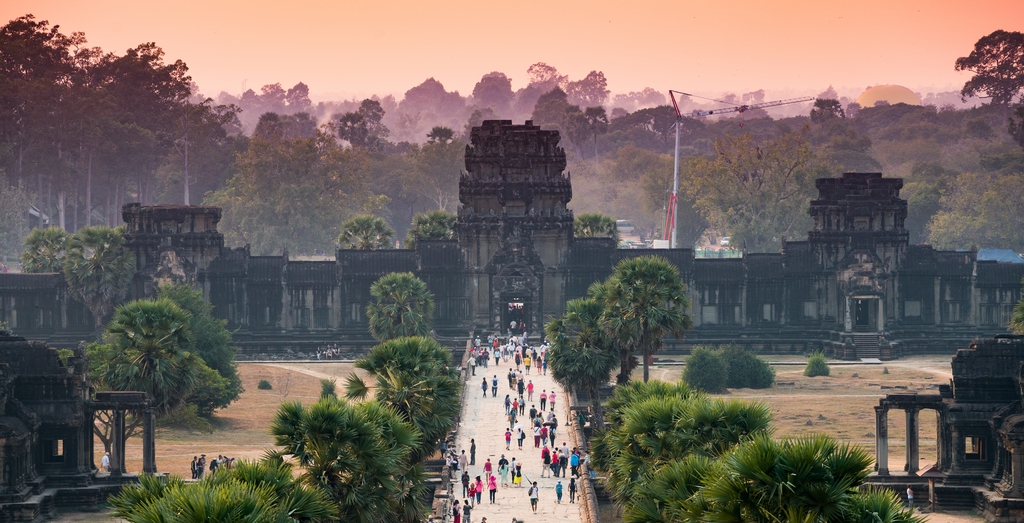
column 746, row 370
column 706, row 369
column 327, row 389
column 816, row 365
column 264, row 385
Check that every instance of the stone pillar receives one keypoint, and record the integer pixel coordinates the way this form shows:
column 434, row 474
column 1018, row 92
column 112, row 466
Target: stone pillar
column 848, row 321
column 957, row 449
column 117, row 445
column 881, row 314
column 882, row 440
column 913, row 454
column 149, row 442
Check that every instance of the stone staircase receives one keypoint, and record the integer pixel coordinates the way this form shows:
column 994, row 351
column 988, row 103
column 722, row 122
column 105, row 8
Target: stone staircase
column 867, row 345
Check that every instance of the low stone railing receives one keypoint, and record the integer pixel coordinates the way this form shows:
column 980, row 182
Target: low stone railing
column 587, row 493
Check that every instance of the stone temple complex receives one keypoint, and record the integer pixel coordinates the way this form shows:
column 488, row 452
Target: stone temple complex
column 855, row 288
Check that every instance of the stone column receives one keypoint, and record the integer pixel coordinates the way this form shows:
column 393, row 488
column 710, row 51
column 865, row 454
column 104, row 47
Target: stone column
column 848, row 321
column 882, row 440
column 149, row 442
column 957, row 449
column 881, row 314
column 117, row 445
column 913, row 454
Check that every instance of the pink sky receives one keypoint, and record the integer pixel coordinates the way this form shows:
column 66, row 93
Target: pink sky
column 360, row 47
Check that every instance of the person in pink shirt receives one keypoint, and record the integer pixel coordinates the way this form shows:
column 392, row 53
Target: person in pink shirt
column 492, row 485
column 488, row 467
column 478, row 488
column 544, row 400
column 551, row 399
column 529, row 390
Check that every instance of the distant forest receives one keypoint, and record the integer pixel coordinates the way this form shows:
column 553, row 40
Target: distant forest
column 83, row 131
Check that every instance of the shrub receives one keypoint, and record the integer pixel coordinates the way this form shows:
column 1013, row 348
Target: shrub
column 746, row 370
column 264, row 385
column 706, row 369
column 816, row 365
column 327, row 389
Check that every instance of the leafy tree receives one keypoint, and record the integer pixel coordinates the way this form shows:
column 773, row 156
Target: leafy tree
column 249, row 492
column 591, row 91
column 825, row 110
column 366, row 233
column 1015, row 125
column 292, row 193
column 582, row 354
column 211, row 341
column 553, row 110
column 494, row 90
column 44, row 250
column 201, row 130
column 595, row 225
column 757, row 193
column 98, row 268
column 274, row 127
column 597, row 123
column 328, row 389
column 644, row 300
column 401, row 306
column 434, row 225
column 438, row 167
column 997, row 62
column 413, row 376
column 364, row 127
column 980, row 210
column 706, row 370
column 14, row 227
column 354, row 452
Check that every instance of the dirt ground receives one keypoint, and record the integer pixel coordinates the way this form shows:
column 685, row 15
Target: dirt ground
column 240, row 431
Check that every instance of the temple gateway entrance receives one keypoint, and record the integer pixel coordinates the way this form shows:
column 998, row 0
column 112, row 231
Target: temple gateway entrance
column 865, row 315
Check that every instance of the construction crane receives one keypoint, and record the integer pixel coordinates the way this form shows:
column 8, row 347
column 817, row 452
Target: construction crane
column 673, row 200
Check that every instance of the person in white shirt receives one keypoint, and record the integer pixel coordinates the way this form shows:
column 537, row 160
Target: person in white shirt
column 105, row 462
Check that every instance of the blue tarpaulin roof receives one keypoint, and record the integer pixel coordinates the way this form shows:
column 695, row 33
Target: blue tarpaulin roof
column 999, row 255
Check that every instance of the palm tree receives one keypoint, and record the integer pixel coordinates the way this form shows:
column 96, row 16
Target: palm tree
column 401, row 306
column 98, row 269
column 597, row 123
column 412, row 376
column 644, row 301
column 582, row 355
column 150, row 337
column 595, row 225
column 366, row 233
column 250, row 492
column 357, row 453
column 434, row 225
column 44, row 250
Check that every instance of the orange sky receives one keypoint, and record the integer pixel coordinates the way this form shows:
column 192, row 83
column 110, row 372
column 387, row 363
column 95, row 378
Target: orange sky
column 359, row 47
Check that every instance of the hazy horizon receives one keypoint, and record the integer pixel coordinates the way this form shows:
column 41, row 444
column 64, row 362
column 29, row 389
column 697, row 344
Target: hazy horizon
column 790, row 48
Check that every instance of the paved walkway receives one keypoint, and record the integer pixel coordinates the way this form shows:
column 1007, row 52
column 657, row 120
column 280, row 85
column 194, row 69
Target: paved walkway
column 484, row 419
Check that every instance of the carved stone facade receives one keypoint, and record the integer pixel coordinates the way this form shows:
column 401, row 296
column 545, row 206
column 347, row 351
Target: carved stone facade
column 855, row 287
column 980, row 422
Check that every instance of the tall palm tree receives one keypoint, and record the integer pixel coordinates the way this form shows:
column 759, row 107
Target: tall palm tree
column 412, row 376
column 357, row 453
column 44, row 250
column 644, row 300
column 595, row 225
column 366, row 232
column 582, row 354
column 98, row 268
column 150, row 337
column 434, row 225
column 401, row 306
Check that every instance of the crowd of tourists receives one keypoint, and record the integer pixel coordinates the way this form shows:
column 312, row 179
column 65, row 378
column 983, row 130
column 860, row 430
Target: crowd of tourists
column 529, row 412
column 200, row 466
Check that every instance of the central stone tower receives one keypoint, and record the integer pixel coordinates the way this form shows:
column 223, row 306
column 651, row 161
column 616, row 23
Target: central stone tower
column 514, row 227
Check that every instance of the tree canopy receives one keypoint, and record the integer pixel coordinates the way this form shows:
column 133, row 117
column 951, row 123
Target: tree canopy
column 997, row 62
column 401, row 305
